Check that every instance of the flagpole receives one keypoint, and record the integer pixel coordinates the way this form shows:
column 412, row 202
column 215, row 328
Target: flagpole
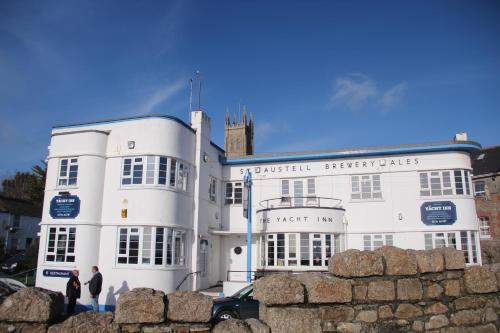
column 247, row 178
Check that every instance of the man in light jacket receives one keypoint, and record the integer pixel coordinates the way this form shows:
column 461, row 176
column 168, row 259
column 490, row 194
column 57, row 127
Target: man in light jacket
column 95, row 287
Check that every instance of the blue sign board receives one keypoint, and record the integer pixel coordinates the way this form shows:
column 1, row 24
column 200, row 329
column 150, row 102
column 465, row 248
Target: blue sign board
column 64, row 207
column 56, row 273
column 438, row 213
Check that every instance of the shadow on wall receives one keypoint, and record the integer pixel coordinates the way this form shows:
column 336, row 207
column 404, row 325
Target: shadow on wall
column 111, row 296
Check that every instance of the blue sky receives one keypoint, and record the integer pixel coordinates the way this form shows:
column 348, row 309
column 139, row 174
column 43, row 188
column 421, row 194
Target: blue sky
column 315, row 74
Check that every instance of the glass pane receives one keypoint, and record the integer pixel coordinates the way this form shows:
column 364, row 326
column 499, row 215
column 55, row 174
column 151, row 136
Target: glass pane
column 173, row 171
column 304, row 249
column 280, row 249
column 298, row 200
column 459, row 187
column 162, row 173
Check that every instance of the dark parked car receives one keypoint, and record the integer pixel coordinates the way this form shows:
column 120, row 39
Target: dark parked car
column 241, row 305
column 13, row 264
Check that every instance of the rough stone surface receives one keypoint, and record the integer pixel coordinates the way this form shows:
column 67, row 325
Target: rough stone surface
column 130, row 328
column 405, row 311
column 87, row 322
column 434, row 291
column 140, row 305
column 36, row 305
column 291, row 319
column 23, row 328
column 336, row 314
column 256, row 326
column 322, row 288
column 385, row 312
column 355, row 263
column 436, row 308
column 470, row 302
column 360, row 292
column 480, row 280
column 430, row 261
column 279, row 289
column 367, row 316
column 381, row 290
column 233, row 326
column 466, row 317
column 349, row 328
column 398, row 261
column 453, row 259
column 437, row 321
column 489, row 315
column 189, row 306
column 490, row 328
column 418, row 326
column 409, row 289
column 452, row 288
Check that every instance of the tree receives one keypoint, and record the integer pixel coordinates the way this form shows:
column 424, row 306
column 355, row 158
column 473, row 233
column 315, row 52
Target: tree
column 28, row 186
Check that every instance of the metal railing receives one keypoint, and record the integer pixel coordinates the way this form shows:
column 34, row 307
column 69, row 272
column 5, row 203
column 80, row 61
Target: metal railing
column 185, row 278
column 26, row 274
column 306, row 201
column 265, row 272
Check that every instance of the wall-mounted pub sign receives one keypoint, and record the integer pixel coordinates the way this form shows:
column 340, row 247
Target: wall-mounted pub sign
column 56, row 273
column 438, row 213
column 64, row 207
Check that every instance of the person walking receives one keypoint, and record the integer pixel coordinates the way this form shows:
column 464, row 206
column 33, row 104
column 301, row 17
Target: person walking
column 95, row 287
column 73, row 291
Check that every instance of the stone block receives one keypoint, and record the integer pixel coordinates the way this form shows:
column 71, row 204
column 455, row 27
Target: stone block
column 87, row 322
column 398, row 261
column 337, row 313
column 434, row 291
column 348, row 328
column 409, row 289
column 367, row 316
column 466, row 317
column 436, row 308
column 323, row 288
column 355, row 263
column 430, row 261
column 381, row 290
column 385, row 312
column 452, row 288
column 470, row 302
column 490, row 328
column 233, row 326
column 480, row 280
column 189, row 307
column 23, row 328
column 140, row 305
column 436, row 322
column 490, row 315
column 360, row 292
column 405, row 311
column 256, row 326
column 418, row 326
column 279, row 289
column 35, row 305
column 453, row 259
column 291, row 319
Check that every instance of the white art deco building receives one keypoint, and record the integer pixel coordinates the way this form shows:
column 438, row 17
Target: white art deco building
column 155, row 203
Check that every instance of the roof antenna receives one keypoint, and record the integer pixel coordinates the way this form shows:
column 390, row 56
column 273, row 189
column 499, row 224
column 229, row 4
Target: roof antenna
column 198, row 75
column 190, row 98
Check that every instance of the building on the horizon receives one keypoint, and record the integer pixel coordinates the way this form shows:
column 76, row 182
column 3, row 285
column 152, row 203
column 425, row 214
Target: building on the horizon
column 486, row 179
column 155, row 203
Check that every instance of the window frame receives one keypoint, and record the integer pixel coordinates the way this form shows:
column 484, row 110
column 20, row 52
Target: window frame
column 69, row 233
column 362, row 182
column 212, row 190
column 464, row 240
column 481, row 193
column 484, row 227
column 230, row 197
column 369, row 241
column 448, row 182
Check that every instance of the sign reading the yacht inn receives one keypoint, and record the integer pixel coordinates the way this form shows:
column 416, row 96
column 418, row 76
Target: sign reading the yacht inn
column 64, row 207
column 438, row 213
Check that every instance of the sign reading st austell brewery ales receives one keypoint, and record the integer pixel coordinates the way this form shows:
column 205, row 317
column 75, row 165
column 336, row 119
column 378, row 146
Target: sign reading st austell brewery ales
column 65, row 207
column 438, row 213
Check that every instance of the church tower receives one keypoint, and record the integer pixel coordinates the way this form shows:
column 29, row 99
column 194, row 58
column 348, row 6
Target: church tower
column 238, row 136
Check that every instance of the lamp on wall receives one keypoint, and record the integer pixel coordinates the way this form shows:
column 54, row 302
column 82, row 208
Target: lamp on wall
column 400, row 216
column 131, row 144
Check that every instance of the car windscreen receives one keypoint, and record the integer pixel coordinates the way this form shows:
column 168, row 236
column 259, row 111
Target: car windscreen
column 243, row 292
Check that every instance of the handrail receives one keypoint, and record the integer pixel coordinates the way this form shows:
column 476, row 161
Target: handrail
column 185, row 278
column 25, row 273
column 310, row 201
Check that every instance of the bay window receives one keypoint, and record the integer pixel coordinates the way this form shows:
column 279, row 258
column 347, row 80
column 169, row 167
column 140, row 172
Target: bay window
column 446, row 182
column 61, row 244
column 68, row 172
column 460, row 240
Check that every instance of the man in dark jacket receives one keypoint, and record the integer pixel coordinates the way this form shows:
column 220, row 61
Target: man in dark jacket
column 73, row 291
column 95, row 286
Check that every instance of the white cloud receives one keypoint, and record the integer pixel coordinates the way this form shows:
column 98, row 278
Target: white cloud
column 357, row 91
column 354, row 90
column 263, row 130
column 393, row 96
column 161, row 96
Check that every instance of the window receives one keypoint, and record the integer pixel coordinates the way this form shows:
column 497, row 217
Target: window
column 283, row 250
column 373, row 242
column 68, row 172
column 234, row 193
column 212, row 190
column 61, row 244
column 484, row 227
column 300, row 189
column 366, row 187
column 460, row 240
column 154, row 170
column 439, row 183
column 479, row 188
column 155, row 246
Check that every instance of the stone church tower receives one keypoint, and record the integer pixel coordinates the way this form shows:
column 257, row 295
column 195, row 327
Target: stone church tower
column 238, row 136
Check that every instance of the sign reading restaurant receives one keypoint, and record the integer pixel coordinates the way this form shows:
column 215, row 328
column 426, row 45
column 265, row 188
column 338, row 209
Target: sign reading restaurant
column 333, row 166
